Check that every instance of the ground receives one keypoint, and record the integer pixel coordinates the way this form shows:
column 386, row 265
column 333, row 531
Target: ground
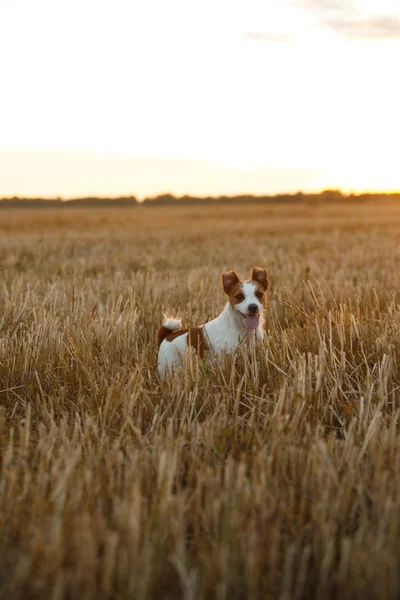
column 275, row 475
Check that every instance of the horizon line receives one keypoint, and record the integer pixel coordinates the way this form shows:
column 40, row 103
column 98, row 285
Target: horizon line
column 139, row 200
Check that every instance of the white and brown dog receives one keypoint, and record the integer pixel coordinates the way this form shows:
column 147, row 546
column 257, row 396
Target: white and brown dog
column 241, row 320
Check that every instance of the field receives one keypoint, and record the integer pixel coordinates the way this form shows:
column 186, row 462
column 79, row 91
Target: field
column 275, row 475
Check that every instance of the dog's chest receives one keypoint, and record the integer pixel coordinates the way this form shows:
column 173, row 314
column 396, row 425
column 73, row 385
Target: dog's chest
column 221, row 336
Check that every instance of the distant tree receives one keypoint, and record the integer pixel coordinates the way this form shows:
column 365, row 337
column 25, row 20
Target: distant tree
column 332, row 196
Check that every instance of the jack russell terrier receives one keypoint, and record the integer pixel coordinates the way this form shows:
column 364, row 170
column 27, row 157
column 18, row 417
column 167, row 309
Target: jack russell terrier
column 242, row 319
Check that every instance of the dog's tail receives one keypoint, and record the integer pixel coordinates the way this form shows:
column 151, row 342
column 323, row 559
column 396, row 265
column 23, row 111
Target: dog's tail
column 168, row 327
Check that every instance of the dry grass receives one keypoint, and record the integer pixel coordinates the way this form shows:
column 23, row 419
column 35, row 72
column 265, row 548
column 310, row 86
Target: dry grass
column 277, row 476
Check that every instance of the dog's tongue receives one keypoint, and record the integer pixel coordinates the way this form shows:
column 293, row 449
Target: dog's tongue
column 251, row 322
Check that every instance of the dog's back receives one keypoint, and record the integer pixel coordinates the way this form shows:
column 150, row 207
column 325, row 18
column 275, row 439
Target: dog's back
column 173, row 341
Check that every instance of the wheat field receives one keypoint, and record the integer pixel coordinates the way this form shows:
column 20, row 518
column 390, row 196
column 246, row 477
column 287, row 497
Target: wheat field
column 274, row 475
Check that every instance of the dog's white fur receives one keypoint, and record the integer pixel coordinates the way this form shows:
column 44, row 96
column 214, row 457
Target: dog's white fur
column 222, row 334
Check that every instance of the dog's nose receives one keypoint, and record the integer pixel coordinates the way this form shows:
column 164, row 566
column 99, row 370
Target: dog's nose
column 252, row 308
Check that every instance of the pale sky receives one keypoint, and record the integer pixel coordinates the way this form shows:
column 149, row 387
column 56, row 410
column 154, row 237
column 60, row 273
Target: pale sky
column 123, row 97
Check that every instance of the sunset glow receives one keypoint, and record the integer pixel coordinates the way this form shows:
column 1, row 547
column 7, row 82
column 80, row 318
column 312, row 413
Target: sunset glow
column 214, row 97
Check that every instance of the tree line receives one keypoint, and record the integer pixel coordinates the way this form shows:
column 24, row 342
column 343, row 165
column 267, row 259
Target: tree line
column 329, row 196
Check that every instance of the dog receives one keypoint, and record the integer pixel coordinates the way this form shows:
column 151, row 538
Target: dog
column 241, row 320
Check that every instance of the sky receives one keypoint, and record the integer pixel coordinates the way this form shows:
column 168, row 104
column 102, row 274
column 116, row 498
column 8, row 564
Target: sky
column 214, row 97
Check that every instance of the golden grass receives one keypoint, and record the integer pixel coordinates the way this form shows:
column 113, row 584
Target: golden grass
column 276, row 476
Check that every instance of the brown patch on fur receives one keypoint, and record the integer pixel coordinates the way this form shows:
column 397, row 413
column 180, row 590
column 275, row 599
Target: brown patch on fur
column 260, row 288
column 176, row 333
column 236, row 290
column 194, row 339
column 162, row 333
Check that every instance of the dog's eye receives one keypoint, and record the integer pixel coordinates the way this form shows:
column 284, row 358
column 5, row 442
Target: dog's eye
column 259, row 294
column 239, row 297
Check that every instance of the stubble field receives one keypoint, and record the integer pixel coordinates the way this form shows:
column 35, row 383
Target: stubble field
column 275, row 475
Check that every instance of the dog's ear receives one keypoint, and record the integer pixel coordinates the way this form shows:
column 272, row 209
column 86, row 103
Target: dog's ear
column 260, row 276
column 229, row 280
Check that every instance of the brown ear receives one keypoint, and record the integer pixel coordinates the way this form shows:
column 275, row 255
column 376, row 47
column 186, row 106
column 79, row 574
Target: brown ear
column 260, row 275
column 229, row 280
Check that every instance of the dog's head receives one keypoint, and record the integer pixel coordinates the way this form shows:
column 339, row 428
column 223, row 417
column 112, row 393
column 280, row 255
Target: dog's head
column 247, row 298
